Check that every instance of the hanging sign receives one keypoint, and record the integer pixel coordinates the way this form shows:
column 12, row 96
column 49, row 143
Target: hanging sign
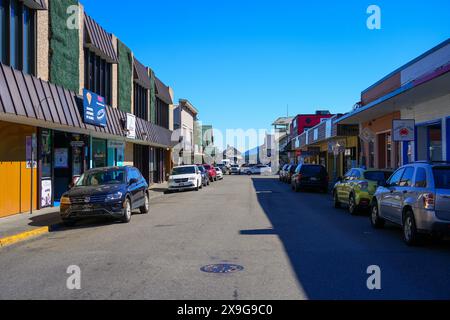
column 131, row 126
column 94, row 108
column 404, row 130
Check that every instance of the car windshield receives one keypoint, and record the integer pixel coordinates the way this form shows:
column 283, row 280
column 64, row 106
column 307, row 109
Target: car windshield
column 207, row 167
column 378, row 176
column 442, row 177
column 183, row 170
column 104, row 177
column 202, row 169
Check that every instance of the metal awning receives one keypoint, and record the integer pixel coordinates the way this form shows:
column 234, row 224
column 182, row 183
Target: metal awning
column 163, row 92
column 28, row 100
column 35, row 4
column 402, row 98
column 141, row 75
column 98, row 40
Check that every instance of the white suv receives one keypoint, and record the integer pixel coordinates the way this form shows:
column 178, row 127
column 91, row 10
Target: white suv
column 185, row 177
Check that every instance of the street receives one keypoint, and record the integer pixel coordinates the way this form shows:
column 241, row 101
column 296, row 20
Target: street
column 290, row 245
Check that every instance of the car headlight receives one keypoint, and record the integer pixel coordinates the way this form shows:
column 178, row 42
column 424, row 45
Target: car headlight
column 114, row 196
column 65, row 200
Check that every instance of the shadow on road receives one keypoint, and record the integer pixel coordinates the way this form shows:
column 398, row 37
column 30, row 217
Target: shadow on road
column 330, row 251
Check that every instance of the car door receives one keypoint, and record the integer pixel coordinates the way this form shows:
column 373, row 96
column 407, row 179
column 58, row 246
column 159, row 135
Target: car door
column 387, row 195
column 401, row 192
column 133, row 188
column 343, row 186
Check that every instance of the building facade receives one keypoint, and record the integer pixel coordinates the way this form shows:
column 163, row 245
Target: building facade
column 186, row 124
column 404, row 117
column 72, row 97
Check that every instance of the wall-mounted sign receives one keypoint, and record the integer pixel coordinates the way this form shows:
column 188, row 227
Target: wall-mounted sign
column 46, row 193
column 131, row 126
column 404, row 130
column 62, row 158
column 31, row 145
column 112, row 144
column 94, row 109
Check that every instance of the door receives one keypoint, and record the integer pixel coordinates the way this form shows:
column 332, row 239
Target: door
column 387, row 197
column 401, row 192
column 343, row 187
column 133, row 188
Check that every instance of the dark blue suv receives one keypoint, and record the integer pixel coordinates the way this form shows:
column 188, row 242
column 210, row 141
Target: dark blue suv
column 106, row 192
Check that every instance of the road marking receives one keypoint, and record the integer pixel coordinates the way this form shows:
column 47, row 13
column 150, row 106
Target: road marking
column 7, row 241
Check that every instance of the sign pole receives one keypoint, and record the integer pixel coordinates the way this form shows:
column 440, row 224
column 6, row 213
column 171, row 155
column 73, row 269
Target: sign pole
column 33, row 141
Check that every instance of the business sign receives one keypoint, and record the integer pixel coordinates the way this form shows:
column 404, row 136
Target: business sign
column 31, row 145
column 94, row 109
column 112, row 144
column 404, row 130
column 46, row 193
column 61, row 158
column 131, row 126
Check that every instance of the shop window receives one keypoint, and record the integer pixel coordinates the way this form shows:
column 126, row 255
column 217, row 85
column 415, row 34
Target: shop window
column 99, row 153
column 435, row 138
column 98, row 75
column 46, row 154
column 17, row 35
column 140, row 102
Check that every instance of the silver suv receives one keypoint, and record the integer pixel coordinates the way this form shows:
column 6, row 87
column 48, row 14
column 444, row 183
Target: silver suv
column 416, row 197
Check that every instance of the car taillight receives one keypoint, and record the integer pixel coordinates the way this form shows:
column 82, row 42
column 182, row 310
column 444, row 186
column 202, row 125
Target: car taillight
column 428, row 201
column 299, row 177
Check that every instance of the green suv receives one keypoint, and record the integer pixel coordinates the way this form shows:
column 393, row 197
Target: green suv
column 357, row 188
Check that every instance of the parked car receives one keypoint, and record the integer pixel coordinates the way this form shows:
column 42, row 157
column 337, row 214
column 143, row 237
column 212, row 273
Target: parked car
column 105, row 192
column 219, row 174
column 235, row 169
column 246, row 169
column 416, row 197
column 205, row 175
column 357, row 187
column 260, row 169
column 185, row 177
column 283, row 172
column 224, row 168
column 212, row 172
column 289, row 173
column 310, row 176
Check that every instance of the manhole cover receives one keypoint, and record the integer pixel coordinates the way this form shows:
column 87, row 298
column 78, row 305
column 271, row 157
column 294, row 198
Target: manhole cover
column 222, row 268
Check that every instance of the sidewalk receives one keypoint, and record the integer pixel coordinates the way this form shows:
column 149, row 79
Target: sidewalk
column 24, row 226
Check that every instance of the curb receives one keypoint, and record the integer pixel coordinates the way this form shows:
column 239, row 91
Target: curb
column 7, row 241
column 23, row 236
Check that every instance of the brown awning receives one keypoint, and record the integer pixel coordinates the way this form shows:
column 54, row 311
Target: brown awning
column 98, row 40
column 35, row 4
column 28, row 100
column 141, row 75
column 163, row 92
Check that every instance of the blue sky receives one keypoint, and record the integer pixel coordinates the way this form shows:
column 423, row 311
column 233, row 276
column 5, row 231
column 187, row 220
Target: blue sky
column 241, row 62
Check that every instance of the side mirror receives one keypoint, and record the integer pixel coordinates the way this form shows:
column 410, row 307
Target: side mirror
column 71, row 185
column 340, row 179
column 132, row 181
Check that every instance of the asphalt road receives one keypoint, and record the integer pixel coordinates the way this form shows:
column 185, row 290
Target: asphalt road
column 291, row 246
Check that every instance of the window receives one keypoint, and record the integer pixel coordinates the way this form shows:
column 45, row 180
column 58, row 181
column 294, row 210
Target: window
column 406, row 180
column 395, row 179
column 421, row 178
column 441, row 177
column 17, row 35
column 140, row 102
column 97, row 75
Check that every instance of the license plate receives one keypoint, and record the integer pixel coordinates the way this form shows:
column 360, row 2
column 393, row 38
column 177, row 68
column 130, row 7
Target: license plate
column 314, row 179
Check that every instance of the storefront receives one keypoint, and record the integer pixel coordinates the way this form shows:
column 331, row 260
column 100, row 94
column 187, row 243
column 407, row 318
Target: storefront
column 116, row 153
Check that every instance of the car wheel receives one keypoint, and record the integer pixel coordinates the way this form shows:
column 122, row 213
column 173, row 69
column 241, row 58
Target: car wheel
column 197, row 188
column 410, row 234
column 352, row 207
column 126, row 211
column 146, row 207
column 375, row 220
column 336, row 202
